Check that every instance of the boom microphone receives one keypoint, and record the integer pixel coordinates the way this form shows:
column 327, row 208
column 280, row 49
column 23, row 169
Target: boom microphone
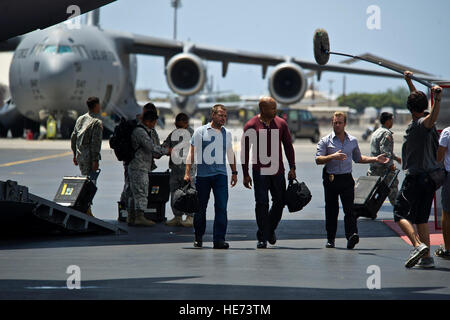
column 322, row 55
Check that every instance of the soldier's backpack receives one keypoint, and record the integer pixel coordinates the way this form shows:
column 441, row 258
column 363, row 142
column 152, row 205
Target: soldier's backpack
column 120, row 141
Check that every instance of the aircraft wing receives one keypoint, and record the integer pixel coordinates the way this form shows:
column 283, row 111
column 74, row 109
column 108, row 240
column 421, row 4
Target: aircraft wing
column 165, row 47
column 163, row 107
column 230, row 105
column 352, row 70
column 23, row 16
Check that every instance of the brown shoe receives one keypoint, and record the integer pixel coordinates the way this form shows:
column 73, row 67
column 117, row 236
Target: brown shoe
column 141, row 221
column 189, row 222
column 175, row 222
column 131, row 217
column 89, row 212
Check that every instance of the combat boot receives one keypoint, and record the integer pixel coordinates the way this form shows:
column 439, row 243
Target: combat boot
column 131, row 217
column 189, row 222
column 89, row 212
column 141, row 221
column 175, row 222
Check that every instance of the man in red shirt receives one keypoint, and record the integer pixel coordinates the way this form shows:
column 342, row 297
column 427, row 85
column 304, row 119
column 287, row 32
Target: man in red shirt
column 265, row 133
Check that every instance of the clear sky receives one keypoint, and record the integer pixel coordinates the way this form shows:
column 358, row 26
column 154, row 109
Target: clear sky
column 414, row 33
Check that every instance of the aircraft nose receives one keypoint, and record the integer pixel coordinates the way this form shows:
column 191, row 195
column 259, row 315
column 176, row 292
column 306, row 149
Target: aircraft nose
column 56, row 76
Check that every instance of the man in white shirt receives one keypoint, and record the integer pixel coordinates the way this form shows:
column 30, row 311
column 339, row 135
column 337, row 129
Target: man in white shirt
column 443, row 153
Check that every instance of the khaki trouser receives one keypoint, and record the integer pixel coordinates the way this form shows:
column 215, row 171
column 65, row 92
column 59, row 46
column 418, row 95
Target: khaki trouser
column 139, row 187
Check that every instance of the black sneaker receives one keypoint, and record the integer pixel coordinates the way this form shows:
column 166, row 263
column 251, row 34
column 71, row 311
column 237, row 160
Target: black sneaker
column 330, row 244
column 221, row 245
column 198, row 243
column 261, row 245
column 352, row 241
column 273, row 239
column 442, row 253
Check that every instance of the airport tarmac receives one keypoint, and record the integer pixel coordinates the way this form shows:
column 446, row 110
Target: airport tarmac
column 161, row 262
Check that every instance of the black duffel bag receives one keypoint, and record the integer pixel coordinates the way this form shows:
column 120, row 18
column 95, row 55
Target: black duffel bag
column 186, row 199
column 297, row 195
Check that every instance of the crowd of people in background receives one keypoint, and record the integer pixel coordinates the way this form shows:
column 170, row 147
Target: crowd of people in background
column 425, row 160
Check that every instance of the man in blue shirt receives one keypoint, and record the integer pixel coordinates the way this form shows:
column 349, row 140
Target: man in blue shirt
column 211, row 144
column 336, row 151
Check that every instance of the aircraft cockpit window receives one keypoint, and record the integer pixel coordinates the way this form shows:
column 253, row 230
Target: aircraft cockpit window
column 50, row 49
column 81, row 50
column 37, row 49
column 64, row 49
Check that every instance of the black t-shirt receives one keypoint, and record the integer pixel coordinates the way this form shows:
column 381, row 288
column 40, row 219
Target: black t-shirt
column 419, row 148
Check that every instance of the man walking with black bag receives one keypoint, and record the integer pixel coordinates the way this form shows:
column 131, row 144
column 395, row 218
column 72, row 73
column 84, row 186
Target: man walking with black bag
column 211, row 146
column 265, row 133
column 336, row 151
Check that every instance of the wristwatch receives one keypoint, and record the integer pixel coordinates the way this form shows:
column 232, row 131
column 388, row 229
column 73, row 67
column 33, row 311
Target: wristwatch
column 234, row 172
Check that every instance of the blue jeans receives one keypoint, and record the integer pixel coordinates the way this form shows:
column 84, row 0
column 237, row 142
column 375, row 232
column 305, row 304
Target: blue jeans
column 219, row 186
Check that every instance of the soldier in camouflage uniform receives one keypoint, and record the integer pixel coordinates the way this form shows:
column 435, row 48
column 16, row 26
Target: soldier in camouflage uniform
column 140, row 167
column 86, row 139
column 177, row 165
column 382, row 141
column 126, row 197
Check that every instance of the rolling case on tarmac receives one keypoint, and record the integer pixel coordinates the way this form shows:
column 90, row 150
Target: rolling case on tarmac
column 158, row 195
column 76, row 192
column 370, row 193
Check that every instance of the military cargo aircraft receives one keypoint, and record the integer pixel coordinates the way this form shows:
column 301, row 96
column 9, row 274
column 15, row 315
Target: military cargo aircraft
column 54, row 71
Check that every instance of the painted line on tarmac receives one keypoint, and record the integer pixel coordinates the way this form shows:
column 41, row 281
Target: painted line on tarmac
column 9, row 164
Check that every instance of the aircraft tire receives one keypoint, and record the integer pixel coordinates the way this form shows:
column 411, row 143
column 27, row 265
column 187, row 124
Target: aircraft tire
column 17, row 132
column 3, row 131
column 67, row 126
column 34, row 126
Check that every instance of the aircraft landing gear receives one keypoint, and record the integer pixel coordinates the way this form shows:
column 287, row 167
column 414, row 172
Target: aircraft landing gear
column 66, row 127
column 33, row 126
column 3, row 131
column 17, row 131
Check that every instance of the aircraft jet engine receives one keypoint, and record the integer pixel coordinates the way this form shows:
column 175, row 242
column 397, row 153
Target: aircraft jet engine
column 287, row 83
column 185, row 74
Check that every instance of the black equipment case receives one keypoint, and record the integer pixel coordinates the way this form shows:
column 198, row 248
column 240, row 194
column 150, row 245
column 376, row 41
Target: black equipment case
column 158, row 195
column 370, row 193
column 76, row 192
